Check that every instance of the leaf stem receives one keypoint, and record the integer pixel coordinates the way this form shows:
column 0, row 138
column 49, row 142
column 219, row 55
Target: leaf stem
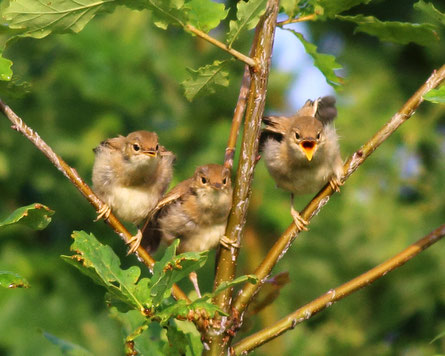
column 238, row 55
column 74, row 177
column 310, row 17
column 309, row 310
column 283, row 243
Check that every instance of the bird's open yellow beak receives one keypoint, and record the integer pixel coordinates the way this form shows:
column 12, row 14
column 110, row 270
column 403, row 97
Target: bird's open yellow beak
column 308, row 148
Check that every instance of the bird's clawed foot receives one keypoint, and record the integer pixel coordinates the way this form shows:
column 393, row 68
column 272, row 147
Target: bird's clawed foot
column 298, row 220
column 103, row 212
column 134, row 242
column 228, row 244
column 335, row 184
column 194, row 279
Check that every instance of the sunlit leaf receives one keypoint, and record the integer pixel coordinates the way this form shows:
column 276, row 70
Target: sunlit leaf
column 394, row 31
column 247, row 16
column 36, row 216
column 290, row 7
column 100, row 263
column 436, row 95
column 430, row 11
column 5, row 69
column 40, row 18
column 203, row 79
column 334, row 7
column 242, row 279
column 171, row 269
column 206, row 14
column 12, row 280
column 168, row 12
column 326, row 63
column 66, row 347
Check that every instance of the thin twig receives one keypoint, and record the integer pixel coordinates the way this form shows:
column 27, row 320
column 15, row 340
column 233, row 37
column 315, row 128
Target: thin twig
column 226, row 264
column 237, row 119
column 310, row 17
column 283, row 243
column 74, row 177
column 238, row 55
column 309, row 310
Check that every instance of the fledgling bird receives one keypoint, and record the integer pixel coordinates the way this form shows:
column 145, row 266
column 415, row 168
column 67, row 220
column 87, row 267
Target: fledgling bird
column 195, row 211
column 130, row 175
column 301, row 152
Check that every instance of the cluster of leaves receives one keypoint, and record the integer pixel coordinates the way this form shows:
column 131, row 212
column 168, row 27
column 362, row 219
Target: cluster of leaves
column 38, row 19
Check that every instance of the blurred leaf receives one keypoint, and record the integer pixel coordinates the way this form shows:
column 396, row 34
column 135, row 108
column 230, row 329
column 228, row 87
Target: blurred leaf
column 183, row 339
column 12, row 280
column 13, row 88
column 436, row 95
column 334, row 7
column 290, row 7
column 36, row 216
column 171, row 269
column 67, row 347
column 5, row 69
column 101, row 264
column 269, row 292
column 205, row 14
column 40, row 18
column 324, row 62
column 394, row 31
column 247, row 16
column 203, row 79
column 168, row 12
column 429, row 10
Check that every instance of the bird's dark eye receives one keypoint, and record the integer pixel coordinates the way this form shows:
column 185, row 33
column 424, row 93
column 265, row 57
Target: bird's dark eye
column 136, row 147
column 318, row 136
column 157, row 147
column 224, row 180
column 297, row 135
column 203, row 180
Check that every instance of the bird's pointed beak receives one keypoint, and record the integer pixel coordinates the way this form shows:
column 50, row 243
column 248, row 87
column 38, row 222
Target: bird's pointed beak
column 151, row 153
column 308, row 148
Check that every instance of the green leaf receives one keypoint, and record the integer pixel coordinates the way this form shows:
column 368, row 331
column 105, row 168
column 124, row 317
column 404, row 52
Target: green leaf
column 334, row 7
column 326, row 63
column 183, row 339
column 67, row 347
column 5, row 69
column 290, row 7
column 203, row 79
column 168, row 12
column 393, row 31
column 171, row 269
column 440, row 336
column 36, row 216
column 430, row 11
column 436, row 95
column 205, row 14
column 14, row 88
column 247, row 16
column 100, row 263
column 251, row 278
column 12, row 280
column 40, row 18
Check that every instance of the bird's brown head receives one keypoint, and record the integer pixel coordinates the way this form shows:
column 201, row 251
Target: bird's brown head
column 142, row 144
column 213, row 176
column 305, row 135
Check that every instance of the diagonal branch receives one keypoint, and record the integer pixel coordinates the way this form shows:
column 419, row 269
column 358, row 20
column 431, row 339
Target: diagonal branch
column 309, row 310
column 87, row 192
column 283, row 243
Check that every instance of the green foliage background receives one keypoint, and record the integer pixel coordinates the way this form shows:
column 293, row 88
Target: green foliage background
column 121, row 74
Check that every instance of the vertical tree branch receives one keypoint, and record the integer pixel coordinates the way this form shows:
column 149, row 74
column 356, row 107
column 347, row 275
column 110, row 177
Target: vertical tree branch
column 309, row 310
column 74, row 177
column 237, row 119
column 321, row 199
column 226, row 264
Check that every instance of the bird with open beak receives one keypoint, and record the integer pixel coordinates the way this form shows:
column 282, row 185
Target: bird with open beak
column 301, row 152
column 130, row 175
